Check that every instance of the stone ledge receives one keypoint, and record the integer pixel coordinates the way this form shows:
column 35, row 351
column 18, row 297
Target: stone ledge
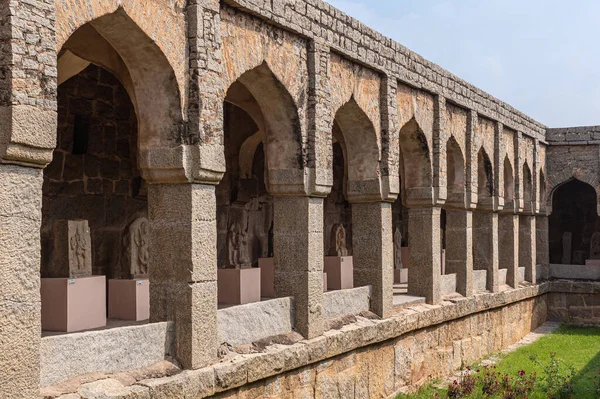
column 575, row 287
column 238, row 370
column 318, row 20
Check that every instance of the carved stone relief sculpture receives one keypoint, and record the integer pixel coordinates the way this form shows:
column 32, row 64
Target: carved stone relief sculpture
column 338, row 241
column 397, row 249
column 136, row 248
column 72, row 254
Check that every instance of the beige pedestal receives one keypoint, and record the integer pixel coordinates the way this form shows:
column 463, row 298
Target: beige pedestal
column 73, row 304
column 239, row 286
column 340, row 272
column 443, row 261
column 267, row 277
column 400, row 276
column 129, row 299
column 404, row 255
column 324, row 282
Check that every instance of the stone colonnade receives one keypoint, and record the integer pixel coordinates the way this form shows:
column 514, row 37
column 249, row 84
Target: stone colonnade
column 181, row 158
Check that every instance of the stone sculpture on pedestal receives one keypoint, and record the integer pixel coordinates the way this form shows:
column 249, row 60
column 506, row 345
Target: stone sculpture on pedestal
column 72, row 299
column 397, row 249
column 136, row 248
column 338, row 241
column 129, row 298
column 238, row 284
column 338, row 265
column 72, row 255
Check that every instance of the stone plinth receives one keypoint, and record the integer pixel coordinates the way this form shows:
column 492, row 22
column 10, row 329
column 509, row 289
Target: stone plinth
column 70, row 305
column 239, row 286
column 129, row 299
column 592, row 262
column 267, row 277
column 340, row 272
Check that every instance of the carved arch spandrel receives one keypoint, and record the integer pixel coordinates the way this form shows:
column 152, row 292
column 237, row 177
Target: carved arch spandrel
column 350, row 81
column 248, row 42
column 418, row 105
column 163, row 22
column 114, row 41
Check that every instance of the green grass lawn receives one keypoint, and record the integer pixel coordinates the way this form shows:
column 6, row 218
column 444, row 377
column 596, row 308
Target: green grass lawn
column 576, row 346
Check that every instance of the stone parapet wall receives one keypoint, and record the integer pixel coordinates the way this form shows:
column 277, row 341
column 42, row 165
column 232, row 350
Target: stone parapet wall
column 583, row 135
column 575, row 302
column 368, row 358
column 324, row 23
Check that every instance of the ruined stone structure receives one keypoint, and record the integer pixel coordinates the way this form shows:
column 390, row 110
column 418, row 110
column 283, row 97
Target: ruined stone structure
column 203, row 134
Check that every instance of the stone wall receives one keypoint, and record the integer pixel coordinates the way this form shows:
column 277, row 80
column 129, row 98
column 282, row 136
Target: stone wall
column 94, row 173
column 368, row 358
column 572, row 187
column 573, row 153
column 575, row 302
column 319, row 20
column 383, row 369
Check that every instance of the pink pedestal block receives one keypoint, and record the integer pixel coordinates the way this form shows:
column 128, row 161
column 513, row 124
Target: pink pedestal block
column 129, row 299
column 239, row 286
column 400, row 276
column 324, row 282
column 592, row 262
column 267, row 277
column 73, row 304
column 340, row 272
column 443, row 261
column 404, row 254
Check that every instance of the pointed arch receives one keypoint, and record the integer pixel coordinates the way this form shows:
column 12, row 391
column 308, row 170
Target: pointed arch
column 455, row 165
column 116, row 43
column 415, row 163
column 543, row 191
column 485, row 176
column 509, row 183
column 273, row 109
column 572, row 222
column 527, row 188
column 361, row 151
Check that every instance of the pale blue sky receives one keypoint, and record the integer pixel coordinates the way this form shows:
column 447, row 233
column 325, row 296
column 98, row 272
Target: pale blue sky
column 540, row 56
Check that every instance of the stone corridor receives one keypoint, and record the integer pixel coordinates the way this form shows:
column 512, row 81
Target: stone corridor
column 219, row 173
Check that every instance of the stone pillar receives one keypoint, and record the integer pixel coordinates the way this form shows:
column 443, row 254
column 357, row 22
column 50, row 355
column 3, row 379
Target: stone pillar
column 459, row 249
column 541, row 240
column 372, row 244
column 485, row 246
column 424, row 241
column 20, row 309
column 183, row 267
column 527, row 250
column 508, row 246
column 298, row 250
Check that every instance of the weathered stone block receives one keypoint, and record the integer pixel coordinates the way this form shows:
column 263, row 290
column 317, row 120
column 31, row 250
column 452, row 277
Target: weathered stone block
column 72, row 255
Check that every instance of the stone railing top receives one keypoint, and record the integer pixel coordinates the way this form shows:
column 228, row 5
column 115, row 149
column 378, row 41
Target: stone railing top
column 318, row 20
column 237, row 370
column 579, row 134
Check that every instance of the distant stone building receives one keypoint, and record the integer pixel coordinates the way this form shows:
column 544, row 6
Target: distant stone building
column 246, row 130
